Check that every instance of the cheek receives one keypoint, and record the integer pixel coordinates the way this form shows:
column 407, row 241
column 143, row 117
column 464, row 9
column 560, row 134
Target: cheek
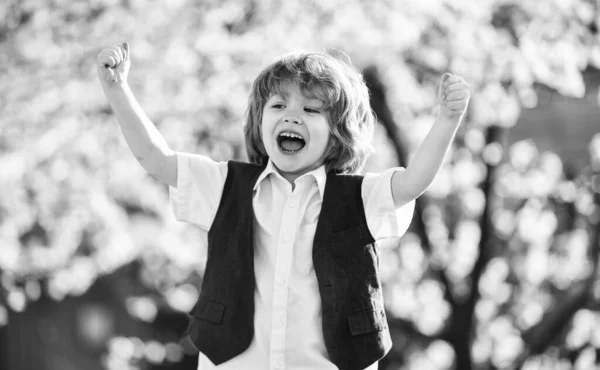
column 259, row 134
column 267, row 122
column 326, row 134
column 325, row 139
column 265, row 140
column 263, row 128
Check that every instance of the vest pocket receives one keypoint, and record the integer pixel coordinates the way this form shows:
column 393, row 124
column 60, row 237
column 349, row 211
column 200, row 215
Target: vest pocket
column 367, row 322
column 210, row 310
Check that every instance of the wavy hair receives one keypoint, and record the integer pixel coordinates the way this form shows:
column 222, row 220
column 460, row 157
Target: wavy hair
column 331, row 78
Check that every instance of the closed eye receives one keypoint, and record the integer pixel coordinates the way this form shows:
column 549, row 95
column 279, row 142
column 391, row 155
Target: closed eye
column 310, row 110
column 277, row 106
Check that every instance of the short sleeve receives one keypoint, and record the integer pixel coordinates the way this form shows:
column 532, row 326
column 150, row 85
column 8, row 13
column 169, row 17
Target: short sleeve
column 383, row 219
column 200, row 182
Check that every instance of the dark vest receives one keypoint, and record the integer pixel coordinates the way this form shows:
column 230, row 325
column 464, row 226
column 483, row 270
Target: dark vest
column 346, row 262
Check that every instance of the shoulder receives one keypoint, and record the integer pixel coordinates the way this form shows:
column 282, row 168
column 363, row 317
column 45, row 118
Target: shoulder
column 199, row 161
column 344, row 187
column 199, row 165
column 390, row 182
column 345, row 178
column 240, row 174
column 244, row 168
column 386, row 217
column 345, row 184
column 375, row 179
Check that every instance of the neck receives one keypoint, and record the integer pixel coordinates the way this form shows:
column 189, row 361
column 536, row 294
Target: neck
column 290, row 177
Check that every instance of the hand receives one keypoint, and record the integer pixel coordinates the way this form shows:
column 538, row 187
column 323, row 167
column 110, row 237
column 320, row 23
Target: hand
column 453, row 95
column 113, row 64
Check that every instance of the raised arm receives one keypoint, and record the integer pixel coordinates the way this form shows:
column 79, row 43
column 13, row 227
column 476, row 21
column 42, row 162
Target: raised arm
column 142, row 137
column 407, row 185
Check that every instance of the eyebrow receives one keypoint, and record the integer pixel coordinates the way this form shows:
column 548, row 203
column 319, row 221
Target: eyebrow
column 321, row 104
column 285, row 95
column 277, row 95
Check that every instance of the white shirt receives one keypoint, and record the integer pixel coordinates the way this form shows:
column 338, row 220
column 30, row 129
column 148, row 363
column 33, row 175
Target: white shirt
column 287, row 321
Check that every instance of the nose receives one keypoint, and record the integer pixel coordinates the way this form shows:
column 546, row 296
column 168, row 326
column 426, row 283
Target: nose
column 293, row 119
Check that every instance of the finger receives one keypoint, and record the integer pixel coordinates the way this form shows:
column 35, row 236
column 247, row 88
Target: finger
column 445, row 76
column 120, row 52
column 456, row 95
column 116, row 54
column 104, row 61
column 453, row 79
column 113, row 58
column 108, row 61
column 452, row 82
column 123, row 51
column 456, row 86
column 126, row 48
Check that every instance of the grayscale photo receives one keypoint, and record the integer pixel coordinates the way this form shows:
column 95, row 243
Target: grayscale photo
column 300, row 185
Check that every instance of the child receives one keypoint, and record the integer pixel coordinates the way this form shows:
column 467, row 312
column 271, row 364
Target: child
column 291, row 280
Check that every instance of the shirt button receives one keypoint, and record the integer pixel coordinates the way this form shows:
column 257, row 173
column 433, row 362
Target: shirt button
column 287, row 238
column 280, row 324
column 281, row 281
column 292, row 205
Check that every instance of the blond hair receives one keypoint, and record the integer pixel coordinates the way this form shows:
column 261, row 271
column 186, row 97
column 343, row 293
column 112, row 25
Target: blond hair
column 330, row 78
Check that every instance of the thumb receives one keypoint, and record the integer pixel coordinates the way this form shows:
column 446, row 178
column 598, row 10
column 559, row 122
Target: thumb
column 445, row 76
column 126, row 47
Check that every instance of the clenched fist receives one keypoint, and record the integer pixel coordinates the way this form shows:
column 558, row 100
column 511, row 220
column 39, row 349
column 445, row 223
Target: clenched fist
column 113, row 64
column 453, row 95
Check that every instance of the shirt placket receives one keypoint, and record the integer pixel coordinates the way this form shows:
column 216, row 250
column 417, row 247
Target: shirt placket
column 283, row 267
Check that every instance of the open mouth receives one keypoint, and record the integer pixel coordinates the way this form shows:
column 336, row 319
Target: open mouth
column 290, row 142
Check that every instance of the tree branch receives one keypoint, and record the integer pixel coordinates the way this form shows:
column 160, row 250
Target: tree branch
column 555, row 321
column 461, row 328
column 494, row 134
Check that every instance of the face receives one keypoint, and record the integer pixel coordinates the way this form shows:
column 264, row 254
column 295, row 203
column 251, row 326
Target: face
column 295, row 132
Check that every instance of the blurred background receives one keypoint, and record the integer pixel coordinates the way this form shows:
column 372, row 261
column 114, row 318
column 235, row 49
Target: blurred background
column 499, row 269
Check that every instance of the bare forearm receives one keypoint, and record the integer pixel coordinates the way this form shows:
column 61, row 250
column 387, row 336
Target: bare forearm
column 453, row 95
column 429, row 158
column 143, row 138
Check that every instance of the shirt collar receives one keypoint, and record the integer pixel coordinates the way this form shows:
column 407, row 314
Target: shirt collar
column 318, row 174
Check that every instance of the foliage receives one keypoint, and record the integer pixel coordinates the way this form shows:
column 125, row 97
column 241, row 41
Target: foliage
column 76, row 206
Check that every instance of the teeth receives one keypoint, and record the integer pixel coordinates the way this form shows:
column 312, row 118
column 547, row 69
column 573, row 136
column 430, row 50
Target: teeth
column 291, row 134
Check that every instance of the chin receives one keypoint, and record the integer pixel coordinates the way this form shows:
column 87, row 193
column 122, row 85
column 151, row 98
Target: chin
column 288, row 167
column 295, row 164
